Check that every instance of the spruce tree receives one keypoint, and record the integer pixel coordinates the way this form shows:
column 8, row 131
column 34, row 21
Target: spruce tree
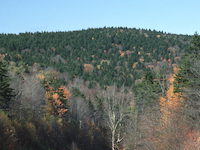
column 187, row 80
column 189, row 68
column 6, row 93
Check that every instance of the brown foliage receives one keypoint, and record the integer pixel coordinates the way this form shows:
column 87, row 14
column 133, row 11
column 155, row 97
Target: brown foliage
column 7, row 132
column 88, row 67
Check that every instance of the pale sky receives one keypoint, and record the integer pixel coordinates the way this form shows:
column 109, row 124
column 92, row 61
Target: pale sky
column 171, row 16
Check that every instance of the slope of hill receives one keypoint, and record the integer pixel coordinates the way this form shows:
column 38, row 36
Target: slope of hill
column 105, row 55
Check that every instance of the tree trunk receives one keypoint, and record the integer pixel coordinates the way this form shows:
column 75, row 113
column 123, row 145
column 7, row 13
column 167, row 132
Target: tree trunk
column 113, row 140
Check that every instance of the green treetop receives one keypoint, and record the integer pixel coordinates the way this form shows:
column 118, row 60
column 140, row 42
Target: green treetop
column 6, row 93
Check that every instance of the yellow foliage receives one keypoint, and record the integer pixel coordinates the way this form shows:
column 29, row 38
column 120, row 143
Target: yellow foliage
column 170, row 105
column 131, row 76
column 16, row 70
column 175, row 70
column 98, row 67
column 158, row 36
column 108, row 62
column 146, row 35
column 134, row 65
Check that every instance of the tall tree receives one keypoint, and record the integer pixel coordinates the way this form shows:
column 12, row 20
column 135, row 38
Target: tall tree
column 115, row 109
column 6, row 93
column 187, row 79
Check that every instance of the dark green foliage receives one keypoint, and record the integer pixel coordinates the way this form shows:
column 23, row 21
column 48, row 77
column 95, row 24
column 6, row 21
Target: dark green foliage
column 6, row 93
column 188, row 73
column 26, row 69
column 76, row 93
column 99, row 102
column 187, row 80
column 69, row 51
column 196, row 44
column 148, row 91
column 90, row 86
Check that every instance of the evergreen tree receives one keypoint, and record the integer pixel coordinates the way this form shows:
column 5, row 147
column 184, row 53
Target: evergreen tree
column 6, row 93
column 188, row 71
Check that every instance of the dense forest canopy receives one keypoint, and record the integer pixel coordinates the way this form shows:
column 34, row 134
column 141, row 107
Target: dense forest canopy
column 127, row 51
column 99, row 89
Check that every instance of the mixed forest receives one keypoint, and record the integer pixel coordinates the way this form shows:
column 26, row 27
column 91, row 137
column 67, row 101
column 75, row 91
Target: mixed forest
column 98, row 89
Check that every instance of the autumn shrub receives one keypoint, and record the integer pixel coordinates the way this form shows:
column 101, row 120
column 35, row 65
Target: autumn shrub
column 7, row 132
column 27, row 134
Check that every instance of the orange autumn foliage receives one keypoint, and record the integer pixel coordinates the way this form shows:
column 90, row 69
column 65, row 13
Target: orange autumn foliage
column 121, row 30
column 54, row 100
column 141, row 60
column 149, row 54
column 193, row 140
column 121, row 53
column 19, row 56
column 170, row 126
column 150, row 66
column 2, row 56
column 172, row 101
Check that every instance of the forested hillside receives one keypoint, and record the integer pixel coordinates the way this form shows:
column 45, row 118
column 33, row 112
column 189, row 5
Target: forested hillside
column 100, row 89
column 104, row 55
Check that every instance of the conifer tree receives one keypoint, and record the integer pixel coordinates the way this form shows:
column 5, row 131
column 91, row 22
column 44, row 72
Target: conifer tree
column 188, row 71
column 187, row 79
column 6, row 93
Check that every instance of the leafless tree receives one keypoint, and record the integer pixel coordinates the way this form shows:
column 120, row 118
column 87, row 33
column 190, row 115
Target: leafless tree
column 116, row 110
column 29, row 95
column 161, row 73
column 78, row 110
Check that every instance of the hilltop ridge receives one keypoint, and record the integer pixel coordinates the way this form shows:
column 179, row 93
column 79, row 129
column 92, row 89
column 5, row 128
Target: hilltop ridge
column 104, row 55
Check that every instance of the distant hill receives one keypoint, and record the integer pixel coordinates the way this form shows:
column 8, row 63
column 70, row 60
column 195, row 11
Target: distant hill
column 103, row 55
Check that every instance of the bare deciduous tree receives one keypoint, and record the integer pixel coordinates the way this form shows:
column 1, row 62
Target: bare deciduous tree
column 116, row 110
column 29, row 95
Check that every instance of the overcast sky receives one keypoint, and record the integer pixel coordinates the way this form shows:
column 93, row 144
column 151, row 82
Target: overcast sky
column 171, row 16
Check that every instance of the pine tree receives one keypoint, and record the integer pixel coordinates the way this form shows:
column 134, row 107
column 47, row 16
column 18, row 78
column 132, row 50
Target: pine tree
column 6, row 93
